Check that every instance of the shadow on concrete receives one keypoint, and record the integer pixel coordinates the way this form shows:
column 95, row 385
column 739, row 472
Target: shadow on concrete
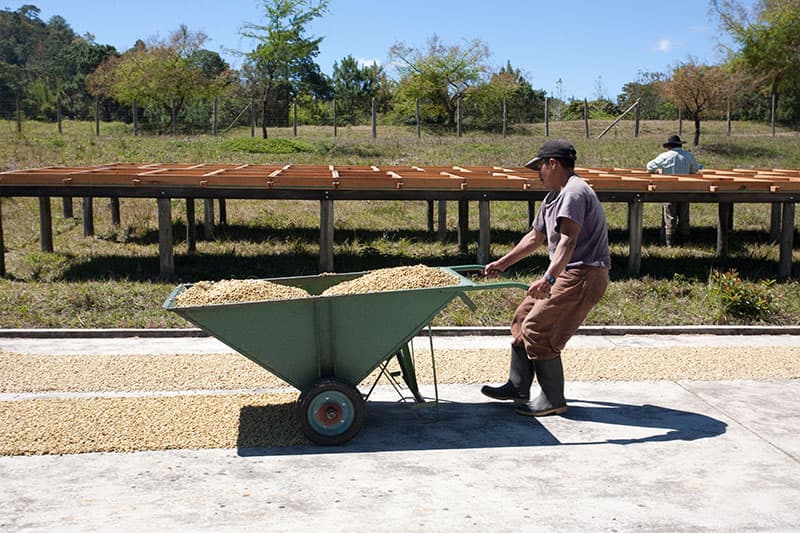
column 398, row 426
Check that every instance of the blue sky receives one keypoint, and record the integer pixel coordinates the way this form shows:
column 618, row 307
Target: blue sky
column 593, row 47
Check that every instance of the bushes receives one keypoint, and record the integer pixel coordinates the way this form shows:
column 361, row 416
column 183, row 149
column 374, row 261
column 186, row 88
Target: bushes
column 741, row 300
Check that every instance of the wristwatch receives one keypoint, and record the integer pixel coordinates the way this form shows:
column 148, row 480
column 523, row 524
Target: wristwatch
column 550, row 279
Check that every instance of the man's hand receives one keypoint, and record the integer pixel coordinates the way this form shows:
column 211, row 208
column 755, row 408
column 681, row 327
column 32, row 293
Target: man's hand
column 539, row 289
column 493, row 269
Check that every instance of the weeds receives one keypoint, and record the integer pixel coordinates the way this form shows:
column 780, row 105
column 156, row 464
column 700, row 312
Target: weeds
column 742, row 300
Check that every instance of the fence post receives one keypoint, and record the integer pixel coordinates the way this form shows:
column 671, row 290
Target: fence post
column 135, row 119
column 637, row 116
column 586, row 116
column 174, row 119
column 680, row 122
column 19, row 116
column 419, row 126
column 458, row 116
column 335, row 125
column 772, row 114
column 252, row 119
column 214, row 122
column 728, row 113
column 546, row 117
column 58, row 114
column 96, row 117
column 374, row 120
column 504, row 118
column 294, row 117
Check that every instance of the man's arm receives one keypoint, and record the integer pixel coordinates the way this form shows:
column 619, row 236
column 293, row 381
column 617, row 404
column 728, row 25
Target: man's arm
column 529, row 242
column 655, row 164
column 569, row 231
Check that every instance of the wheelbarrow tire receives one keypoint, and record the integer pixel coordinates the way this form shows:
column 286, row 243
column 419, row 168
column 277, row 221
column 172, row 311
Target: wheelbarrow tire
column 331, row 412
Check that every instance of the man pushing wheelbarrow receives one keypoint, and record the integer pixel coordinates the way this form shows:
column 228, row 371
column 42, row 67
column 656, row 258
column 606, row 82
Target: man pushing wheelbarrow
column 572, row 223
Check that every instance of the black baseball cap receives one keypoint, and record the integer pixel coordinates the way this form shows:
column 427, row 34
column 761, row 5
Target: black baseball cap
column 558, row 148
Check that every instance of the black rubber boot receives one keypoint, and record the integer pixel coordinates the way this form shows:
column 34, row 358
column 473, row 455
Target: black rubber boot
column 520, row 378
column 550, row 375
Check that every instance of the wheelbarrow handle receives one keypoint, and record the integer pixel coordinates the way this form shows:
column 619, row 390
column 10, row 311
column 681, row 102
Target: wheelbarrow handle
column 492, row 285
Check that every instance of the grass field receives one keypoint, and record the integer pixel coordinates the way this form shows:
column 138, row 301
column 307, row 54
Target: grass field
column 111, row 279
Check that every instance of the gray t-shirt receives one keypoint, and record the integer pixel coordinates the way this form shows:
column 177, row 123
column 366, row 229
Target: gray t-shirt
column 577, row 202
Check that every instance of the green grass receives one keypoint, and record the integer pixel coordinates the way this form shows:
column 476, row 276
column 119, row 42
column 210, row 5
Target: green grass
column 111, row 279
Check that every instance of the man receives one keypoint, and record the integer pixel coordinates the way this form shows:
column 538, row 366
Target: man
column 675, row 160
column 572, row 223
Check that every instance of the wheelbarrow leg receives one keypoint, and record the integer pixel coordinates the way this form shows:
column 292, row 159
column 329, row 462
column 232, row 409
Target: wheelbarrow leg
column 409, row 375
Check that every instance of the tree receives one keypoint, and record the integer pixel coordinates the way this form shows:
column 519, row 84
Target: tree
column 355, row 86
column 439, row 76
column 769, row 47
column 523, row 103
column 281, row 59
column 43, row 63
column 167, row 74
column 646, row 90
column 696, row 89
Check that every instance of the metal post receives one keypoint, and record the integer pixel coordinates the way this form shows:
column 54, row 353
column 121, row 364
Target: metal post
column 58, row 114
column 294, row 118
column 335, row 126
column 252, row 119
column 728, row 113
column 636, row 118
column 772, row 114
column 19, row 116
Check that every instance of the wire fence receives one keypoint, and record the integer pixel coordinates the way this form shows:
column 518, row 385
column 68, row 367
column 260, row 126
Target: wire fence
column 221, row 115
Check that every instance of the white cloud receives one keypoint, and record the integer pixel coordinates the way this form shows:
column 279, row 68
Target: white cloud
column 665, row 45
column 367, row 62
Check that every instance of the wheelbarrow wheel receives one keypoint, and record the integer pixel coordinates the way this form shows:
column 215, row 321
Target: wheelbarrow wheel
column 331, row 412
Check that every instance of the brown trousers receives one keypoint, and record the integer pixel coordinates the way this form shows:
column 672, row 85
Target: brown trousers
column 543, row 327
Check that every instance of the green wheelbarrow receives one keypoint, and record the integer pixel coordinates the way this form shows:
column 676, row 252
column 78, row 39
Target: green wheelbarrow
column 326, row 345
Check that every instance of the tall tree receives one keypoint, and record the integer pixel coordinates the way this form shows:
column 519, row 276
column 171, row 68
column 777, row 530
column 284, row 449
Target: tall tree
column 697, row 90
column 768, row 41
column 283, row 53
column 439, row 75
column 355, row 86
column 167, row 74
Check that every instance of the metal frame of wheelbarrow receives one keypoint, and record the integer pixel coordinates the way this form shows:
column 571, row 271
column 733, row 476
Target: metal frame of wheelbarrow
column 326, row 345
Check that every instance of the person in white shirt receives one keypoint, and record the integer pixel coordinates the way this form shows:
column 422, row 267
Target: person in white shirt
column 675, row 160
